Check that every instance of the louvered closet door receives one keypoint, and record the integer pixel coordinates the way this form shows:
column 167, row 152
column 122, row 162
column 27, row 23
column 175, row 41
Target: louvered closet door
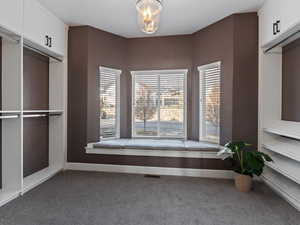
column 36, row 97
column 146, row 105
column 210, row 86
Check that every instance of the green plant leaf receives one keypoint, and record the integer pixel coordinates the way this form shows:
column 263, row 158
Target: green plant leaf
column 247, row 162
column 266, row 157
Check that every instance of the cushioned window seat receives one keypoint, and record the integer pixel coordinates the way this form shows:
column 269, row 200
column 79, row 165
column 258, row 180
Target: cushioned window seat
column 155, row 147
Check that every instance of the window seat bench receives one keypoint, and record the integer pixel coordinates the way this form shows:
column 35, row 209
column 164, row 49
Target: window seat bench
column 155, row 147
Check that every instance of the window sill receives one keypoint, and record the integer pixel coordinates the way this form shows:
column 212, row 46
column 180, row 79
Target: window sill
column 155, row 148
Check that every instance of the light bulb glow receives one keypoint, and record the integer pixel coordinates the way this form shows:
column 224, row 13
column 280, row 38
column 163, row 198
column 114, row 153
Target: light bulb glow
column 149, row 15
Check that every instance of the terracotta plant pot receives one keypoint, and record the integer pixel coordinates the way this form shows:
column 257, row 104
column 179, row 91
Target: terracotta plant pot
column 243, row 182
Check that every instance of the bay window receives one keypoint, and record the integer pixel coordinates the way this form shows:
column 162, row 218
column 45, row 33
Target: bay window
column 159, row 103
column 109, row 102
column 210, row 86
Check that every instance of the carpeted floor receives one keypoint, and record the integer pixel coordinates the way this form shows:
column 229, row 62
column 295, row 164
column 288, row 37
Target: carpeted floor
column 82, row 198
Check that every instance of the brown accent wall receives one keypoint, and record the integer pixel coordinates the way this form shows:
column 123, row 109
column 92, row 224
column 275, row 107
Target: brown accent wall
column 36, row 81
column 156, row 53
column 90, row 48
column 234, row 42
column 215, row 43
column 227, row 41
column 0, row 74
column 36, row 97
column 159, row 161
column 0, row 109
column 104, row 49
column 77, row 92
column 291, row 82
column 35, row 145
column 245, row 79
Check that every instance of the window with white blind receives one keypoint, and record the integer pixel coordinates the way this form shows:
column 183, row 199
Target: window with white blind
column 158, row 108
column 109, row 102
column 210, row 86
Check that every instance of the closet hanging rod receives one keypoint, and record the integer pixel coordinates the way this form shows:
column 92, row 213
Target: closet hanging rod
column 41, row 52
column 35, row 115
column 55, row 114
column 9, row 117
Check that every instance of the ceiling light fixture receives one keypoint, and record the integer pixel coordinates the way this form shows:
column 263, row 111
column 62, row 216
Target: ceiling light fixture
column 149, row 15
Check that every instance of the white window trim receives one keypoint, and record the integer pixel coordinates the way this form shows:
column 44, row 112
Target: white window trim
column 200, row 70
column 155, row 72
column 118, row 95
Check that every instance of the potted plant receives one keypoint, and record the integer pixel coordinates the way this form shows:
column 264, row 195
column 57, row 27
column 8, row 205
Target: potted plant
column 247, row 163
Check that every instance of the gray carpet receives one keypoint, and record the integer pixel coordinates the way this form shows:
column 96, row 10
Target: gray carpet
column 82, row 198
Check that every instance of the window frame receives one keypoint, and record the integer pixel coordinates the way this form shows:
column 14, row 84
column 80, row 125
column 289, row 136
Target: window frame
column 158, row 72
column 201, row 122
column 117, row 100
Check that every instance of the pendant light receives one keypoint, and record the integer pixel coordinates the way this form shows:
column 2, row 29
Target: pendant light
column 149, row 15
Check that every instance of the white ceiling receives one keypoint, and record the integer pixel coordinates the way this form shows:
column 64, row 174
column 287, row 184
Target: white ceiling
column 119, row 16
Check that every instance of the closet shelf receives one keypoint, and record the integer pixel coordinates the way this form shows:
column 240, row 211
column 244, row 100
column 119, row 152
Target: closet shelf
column 35, row 115
column 284, row 172
column 283, row 186
column 285, row 147
column 283, row 132
column 10, row 111
column 43, row 111
column 9, row 117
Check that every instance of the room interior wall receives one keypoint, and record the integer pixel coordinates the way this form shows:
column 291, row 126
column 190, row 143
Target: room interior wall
column 211, row 44
column 89, row 48
column 77, row 92
column 245, row 79
column 104, row 49
column 161, row 53
column 234, row 42
column 36, row 97
column 290, row 81
column 35, row 145
column 36, row 80
column 0, row 109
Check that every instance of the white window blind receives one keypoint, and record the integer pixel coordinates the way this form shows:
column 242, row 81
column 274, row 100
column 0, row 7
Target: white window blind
column 109, row 102
column 210, row 87
column 159, row 103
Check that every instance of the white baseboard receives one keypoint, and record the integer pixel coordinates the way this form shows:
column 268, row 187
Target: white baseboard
column 38, row 178
column 205, row 173
column 8, row 195
column 280, row 191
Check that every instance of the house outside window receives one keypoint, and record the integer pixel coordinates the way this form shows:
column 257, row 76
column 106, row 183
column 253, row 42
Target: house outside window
column 210, row 92
column 159, row 104
column 109, row 102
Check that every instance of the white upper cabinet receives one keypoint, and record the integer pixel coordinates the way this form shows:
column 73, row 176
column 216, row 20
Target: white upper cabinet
column 290, row 15
column 42, row 28
column 278, row 17
column 11, row 12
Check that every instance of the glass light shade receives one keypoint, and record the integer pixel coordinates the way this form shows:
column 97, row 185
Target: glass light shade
column 149, row 15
